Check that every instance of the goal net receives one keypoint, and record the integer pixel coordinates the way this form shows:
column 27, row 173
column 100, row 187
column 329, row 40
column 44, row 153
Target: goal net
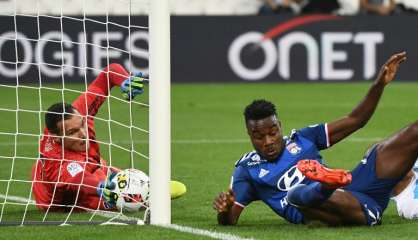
column 50, row 52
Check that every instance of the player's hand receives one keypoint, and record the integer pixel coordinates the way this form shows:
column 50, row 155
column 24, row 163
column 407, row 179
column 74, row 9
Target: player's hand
column 224, row 201
column 105, row 191
column 132, row 86
column 390, row 68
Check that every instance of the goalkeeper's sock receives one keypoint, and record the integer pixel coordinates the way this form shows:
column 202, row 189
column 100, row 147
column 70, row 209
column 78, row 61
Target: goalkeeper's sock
column 309, row 195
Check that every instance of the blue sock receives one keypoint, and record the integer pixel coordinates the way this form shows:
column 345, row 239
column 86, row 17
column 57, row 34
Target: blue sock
column 309, row 195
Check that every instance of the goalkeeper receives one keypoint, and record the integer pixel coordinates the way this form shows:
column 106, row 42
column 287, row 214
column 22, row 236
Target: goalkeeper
column 70, row 170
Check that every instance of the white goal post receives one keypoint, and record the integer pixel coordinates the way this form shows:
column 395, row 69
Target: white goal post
column 159, row 113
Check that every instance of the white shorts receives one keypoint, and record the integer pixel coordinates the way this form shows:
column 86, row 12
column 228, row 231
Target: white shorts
column 407, row 200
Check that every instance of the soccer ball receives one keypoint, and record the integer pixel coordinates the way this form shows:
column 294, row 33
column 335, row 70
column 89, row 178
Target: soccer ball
column 132, row 188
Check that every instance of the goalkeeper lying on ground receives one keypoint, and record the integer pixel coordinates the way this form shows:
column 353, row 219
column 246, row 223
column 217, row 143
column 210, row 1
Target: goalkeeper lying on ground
column 70, row 170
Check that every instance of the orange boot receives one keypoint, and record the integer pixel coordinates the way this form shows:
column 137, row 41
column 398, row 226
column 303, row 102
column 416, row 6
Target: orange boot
column 330, row 178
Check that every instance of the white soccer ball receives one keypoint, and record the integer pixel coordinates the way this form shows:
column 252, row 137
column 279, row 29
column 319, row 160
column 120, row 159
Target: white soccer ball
column 132, row 187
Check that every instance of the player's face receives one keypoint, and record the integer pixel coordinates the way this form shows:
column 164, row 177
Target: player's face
column 74, row 133
column 266, row 136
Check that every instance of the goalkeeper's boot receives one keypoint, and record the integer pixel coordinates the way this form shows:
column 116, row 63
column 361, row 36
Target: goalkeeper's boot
column 330, row 178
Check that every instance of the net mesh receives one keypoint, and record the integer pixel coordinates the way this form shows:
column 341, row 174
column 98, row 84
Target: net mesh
column 50, row 51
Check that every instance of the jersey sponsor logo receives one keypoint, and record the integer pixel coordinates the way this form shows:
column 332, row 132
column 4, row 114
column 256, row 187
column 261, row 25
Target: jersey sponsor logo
column 293, row 148
column 364, row 161
column 255, row 163
column 284, row 202
column 74, row 168
column 290, row 179
column 263, row 172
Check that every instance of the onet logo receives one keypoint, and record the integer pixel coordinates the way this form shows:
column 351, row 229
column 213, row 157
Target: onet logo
column 322, row 53
column 290, row 179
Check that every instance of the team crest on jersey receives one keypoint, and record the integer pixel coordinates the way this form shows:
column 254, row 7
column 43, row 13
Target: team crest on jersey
column 290, row 179
column 293, row 148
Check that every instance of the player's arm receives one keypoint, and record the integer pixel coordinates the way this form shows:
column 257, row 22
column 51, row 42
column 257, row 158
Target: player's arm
column 96, row 184
column 74, row 176
column 343, row 127
column 228, row 211
column 114, row 75
column 230, row 204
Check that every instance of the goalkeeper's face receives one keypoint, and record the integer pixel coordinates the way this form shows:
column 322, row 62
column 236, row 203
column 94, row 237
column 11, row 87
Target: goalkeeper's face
column 74, row 133
column 266, row 136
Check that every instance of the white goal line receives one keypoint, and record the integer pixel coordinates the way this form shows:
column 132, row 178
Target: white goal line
column 179, row 228
column 110, row 215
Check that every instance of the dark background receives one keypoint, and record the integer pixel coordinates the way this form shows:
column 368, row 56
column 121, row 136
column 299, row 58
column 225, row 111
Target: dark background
column 199, row 46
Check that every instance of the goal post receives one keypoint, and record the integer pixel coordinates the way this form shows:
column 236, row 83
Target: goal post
column 159, row 112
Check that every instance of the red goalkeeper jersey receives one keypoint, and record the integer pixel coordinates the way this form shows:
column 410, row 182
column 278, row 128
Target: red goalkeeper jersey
column 64, row 178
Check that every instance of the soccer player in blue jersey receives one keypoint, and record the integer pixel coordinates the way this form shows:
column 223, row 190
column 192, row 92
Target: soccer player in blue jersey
column 287, row 174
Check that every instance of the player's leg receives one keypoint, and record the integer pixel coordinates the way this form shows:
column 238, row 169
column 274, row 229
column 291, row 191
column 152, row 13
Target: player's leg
column 397, row 155
column 403, row 184
column 321, row 200
column 341, row 208
column 327, row 181
column 373, row 180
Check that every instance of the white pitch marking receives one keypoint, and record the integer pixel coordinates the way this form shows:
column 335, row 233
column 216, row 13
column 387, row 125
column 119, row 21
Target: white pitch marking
column 107, row 215
column 179, row 228
column 202, row 232
column 17, row 199
column 200, row 141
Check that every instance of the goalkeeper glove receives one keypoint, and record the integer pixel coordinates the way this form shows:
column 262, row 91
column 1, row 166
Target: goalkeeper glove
column 132, row 86
column 105, row 191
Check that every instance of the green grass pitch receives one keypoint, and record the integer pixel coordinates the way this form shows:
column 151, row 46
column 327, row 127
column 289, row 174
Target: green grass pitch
column 208, row 136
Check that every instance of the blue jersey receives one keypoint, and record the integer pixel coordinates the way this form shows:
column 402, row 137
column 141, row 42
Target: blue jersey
column 255, row 178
